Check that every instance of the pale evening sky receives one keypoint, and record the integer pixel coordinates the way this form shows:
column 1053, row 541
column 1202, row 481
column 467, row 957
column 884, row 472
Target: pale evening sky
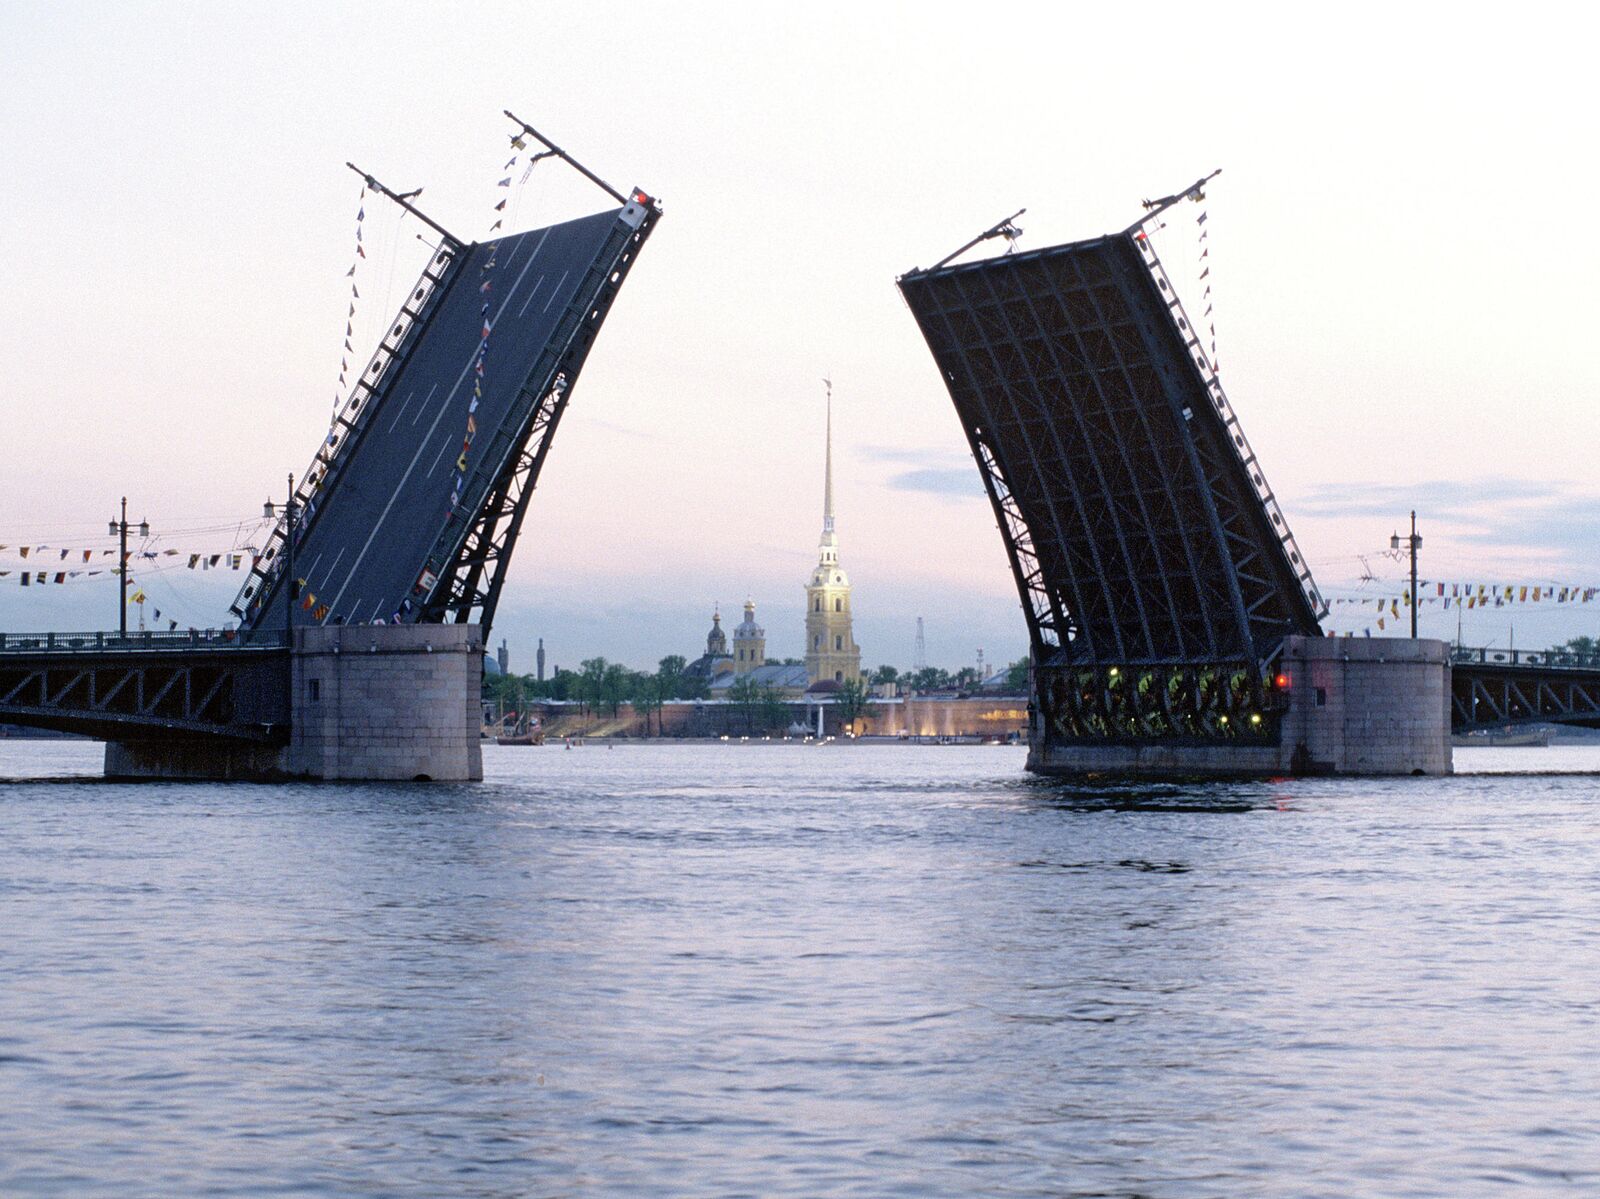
column 1403, row 286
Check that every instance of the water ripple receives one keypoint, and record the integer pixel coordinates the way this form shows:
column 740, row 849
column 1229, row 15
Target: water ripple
column 757, row 970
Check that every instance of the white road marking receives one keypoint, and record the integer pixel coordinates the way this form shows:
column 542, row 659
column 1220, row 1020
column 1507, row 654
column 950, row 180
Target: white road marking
column 443, row 446
column 410, row 395
column 529, row 300
column 554, row 292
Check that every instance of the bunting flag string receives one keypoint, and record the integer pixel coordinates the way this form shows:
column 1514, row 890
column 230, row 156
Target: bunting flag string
column 1463, row 597
column 1205, row 278
column 486, row 291
column 350, row 316
column 1477, row 595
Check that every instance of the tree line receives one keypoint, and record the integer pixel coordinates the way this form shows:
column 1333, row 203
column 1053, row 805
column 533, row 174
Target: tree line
column 601, row 686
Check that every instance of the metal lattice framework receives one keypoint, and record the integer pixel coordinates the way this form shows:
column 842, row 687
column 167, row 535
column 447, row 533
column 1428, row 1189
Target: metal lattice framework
column 104, row 686
column 1150, row 554
column 1493, row 694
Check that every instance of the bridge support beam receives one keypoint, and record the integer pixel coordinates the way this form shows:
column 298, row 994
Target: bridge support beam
column 1360, row 707
column 379, row 702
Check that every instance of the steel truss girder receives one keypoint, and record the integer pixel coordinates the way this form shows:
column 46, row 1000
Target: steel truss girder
column 238, row 695
column 1134, row 514
column 1484, row 696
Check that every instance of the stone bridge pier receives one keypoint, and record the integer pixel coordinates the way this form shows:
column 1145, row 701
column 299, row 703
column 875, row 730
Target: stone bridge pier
column 369, row 702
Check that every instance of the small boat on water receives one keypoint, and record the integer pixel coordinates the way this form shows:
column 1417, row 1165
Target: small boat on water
column 530, row 732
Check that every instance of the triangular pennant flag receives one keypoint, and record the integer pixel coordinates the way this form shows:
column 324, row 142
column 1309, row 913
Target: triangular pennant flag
column 500, row 207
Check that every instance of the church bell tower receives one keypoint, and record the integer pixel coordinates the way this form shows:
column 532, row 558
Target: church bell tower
column 832, row 654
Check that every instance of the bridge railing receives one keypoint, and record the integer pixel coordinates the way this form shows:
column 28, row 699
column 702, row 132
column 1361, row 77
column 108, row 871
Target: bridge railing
column 140, row 642
column 1547, row 658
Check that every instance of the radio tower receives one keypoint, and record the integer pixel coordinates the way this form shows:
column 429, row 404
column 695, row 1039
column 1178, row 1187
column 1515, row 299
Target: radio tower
column 920, row 661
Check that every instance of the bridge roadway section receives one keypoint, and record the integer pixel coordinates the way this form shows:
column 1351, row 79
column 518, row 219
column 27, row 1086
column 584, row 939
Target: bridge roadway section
column 362, row 551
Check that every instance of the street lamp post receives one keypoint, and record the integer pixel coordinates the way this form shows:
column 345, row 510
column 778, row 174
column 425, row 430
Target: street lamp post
column 119, row 529
column 291, row 586
column 1413, row 543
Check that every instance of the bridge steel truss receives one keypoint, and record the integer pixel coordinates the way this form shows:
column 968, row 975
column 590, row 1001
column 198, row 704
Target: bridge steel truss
column 1157, row 573
column 1485, row 694
column 470, row 558
column 100, row 685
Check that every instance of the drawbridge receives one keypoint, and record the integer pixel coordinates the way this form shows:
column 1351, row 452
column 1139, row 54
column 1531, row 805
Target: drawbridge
column 400, row 518
column 1158, row 575
column 1157, row 571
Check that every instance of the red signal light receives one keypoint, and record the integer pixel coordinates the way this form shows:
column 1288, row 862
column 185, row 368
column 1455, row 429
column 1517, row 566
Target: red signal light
column 1281, row 682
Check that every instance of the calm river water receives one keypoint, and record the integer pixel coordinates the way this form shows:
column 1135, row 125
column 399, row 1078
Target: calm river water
column 773, row 970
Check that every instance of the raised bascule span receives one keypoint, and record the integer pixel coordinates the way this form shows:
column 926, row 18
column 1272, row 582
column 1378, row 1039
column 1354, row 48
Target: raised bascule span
column 1173, row 621
column 380, row 534
column 1158, row 575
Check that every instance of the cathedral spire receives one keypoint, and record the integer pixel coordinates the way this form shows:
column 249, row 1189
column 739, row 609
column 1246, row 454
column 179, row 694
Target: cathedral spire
column 828, row 538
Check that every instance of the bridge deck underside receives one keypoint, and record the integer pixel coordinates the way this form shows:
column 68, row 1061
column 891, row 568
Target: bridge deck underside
column 235, row 694
column 383, row 487
column 1134, row 529
column 1486, row 696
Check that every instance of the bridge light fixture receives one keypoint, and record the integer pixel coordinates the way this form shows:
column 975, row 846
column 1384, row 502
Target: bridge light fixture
column 269, row 511
column 144, row 528
column 1255, row 718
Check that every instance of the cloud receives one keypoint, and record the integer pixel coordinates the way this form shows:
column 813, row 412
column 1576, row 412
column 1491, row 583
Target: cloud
column 938, row 480
column 1501, row 514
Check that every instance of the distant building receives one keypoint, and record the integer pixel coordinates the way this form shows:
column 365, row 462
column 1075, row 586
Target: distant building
column 716, row 660
column 788, row 681
column 832, row 655
column 749, row 642
column 539, row 658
